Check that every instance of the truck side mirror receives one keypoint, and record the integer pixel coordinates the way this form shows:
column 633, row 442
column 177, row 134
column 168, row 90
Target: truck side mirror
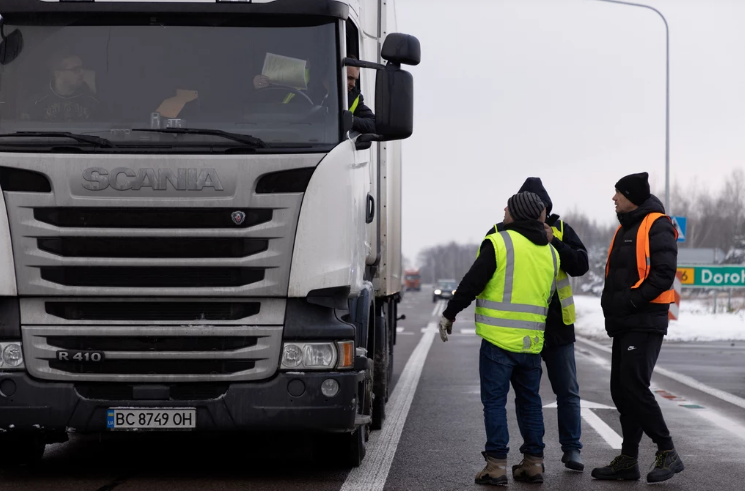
column 394, row 89
column 401, row 49
column 394, row 103
column 10, row 46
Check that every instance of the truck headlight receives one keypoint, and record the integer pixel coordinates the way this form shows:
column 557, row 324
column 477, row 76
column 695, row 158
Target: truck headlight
column 309, row 356
column 11, row 356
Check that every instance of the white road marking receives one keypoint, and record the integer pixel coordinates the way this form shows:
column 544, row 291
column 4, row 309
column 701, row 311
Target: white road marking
column 602, row 428
column 439, row 307
column 468, row 331
column 584, row 404
column 400, row 329
column 683, row 379
column 381, row 448
column 730, row 426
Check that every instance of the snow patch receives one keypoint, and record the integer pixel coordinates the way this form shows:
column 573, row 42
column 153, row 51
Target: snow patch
column 696, row 322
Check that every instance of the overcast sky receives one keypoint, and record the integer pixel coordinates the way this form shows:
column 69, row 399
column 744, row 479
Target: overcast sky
column 572, row 91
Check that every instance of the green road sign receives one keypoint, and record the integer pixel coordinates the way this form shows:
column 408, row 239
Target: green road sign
column 712, row 276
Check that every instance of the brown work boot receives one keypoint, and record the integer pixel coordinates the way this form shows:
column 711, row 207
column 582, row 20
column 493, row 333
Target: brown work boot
column 530, row 469
column 495, row 472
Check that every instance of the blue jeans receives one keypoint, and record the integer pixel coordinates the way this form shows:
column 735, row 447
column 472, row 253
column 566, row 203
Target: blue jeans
column 497, row 369
column 562, row 372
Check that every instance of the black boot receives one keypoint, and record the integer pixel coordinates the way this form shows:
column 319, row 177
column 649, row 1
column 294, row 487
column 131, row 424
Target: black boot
column 572, row 460
column 667, row 463
column 622, row 468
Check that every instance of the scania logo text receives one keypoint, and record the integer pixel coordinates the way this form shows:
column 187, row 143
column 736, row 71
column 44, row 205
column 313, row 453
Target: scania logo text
column 125, row 179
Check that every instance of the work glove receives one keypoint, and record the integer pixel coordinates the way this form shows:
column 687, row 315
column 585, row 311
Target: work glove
column 446, row 327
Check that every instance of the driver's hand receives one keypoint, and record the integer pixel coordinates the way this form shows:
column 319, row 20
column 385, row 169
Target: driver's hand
column 261, row 82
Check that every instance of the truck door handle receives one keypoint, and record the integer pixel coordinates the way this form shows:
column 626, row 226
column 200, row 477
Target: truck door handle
column 370, row 209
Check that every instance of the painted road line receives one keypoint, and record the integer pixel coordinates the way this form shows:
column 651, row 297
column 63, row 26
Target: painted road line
column 601, row 427
column 468, row 331
column 400, row 329
column 381, row 448
column 683, row 379
column 730, row 426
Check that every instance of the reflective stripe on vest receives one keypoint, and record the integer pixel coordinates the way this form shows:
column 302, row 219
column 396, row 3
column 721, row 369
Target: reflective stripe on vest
column 354, row 105
column 566, row 297
column 511, row 311
column 643, row 260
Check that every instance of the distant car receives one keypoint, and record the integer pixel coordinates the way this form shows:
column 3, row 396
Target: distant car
column 444, row 290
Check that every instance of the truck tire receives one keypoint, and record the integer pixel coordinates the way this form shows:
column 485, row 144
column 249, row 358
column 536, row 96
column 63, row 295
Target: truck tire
column 380, row 379
column 357, row 449
column 17, row 450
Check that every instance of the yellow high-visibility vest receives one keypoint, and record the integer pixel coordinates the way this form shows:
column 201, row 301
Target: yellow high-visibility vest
column 511, row 311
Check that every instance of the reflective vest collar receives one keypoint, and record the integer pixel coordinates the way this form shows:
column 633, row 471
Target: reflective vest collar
column 354, row 105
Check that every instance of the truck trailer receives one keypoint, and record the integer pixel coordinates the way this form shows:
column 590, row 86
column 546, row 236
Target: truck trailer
column 192, row 234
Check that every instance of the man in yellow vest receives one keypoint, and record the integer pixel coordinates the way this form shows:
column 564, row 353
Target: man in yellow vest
column 558, row 348
column 639, row 275
column 513, row 281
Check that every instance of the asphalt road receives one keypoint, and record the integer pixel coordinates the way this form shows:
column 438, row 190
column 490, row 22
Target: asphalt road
column 434, row 433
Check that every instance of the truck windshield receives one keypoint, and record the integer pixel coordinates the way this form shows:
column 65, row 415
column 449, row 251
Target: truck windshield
column 278, row 83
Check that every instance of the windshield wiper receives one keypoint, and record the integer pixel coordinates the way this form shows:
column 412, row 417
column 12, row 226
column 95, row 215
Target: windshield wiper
column 93, row 140
column 245, row 139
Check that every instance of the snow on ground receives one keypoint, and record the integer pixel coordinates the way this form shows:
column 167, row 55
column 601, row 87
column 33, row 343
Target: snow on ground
column 697, row 322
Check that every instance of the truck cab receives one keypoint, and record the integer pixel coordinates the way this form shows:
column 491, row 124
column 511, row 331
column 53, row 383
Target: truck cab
column 193, row 235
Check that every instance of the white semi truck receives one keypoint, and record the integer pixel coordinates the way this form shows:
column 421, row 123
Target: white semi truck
column 192, row 234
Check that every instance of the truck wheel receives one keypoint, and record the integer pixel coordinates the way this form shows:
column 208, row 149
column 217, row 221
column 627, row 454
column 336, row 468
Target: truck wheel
column 16, row 450
column 357, row 447
column 380, row 386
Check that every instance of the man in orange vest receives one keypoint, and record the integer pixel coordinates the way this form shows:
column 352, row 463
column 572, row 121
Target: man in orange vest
column 640, row 271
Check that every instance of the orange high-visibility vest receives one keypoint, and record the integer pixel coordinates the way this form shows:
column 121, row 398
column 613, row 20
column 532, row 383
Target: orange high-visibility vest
column 643, row 264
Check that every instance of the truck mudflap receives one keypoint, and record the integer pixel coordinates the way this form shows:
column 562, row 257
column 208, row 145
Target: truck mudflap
column 289, row 401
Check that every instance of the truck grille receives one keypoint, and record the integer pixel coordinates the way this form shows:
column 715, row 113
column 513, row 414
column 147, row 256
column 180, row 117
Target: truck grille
column 151, row 343
column 154, row 354
column 233, row 242
column 152, row 367
column 151, row 277
column 165, row 218
column 152, row 311
column 177, row 392
column 152, row 247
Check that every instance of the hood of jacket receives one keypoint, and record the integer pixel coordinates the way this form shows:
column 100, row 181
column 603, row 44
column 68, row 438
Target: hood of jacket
column 530, row 229
column 535, row 185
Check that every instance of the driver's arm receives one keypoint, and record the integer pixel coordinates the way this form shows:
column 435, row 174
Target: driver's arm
column 364, row 118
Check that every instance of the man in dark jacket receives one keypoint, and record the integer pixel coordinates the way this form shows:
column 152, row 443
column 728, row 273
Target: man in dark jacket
column 558, row 348
column 364, row 118
column 68, row 99
column 636, row 317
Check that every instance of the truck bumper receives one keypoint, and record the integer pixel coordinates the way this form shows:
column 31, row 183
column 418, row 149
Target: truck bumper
column 289, row 401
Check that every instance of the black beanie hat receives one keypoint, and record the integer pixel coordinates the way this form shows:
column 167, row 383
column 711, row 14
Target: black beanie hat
column 525, row 206
column 635, row 187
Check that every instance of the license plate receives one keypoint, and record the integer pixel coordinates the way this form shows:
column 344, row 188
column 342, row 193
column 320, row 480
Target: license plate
column 151, row 419
column 80, row 356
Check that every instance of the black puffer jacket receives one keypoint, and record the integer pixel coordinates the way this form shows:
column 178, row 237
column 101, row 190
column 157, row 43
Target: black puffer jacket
column 630, row 310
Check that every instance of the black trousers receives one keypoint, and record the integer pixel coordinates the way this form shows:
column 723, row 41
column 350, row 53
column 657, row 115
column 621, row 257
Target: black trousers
column 634, row 357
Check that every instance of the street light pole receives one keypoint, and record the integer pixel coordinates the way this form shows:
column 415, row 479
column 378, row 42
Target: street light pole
column 667, row 94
